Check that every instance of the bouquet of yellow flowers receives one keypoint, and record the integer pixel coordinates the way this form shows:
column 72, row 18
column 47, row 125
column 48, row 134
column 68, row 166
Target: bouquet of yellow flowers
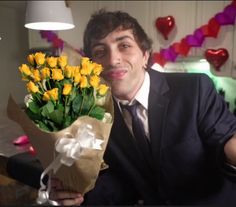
column 60, row 93
column 68, row 118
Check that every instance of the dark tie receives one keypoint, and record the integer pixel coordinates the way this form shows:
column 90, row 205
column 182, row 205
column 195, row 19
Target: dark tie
column 138, row 130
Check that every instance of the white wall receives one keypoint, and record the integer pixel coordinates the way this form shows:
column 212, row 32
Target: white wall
column 13, row 49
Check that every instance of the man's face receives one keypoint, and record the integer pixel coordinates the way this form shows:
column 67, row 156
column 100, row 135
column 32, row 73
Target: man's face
column 123, row 61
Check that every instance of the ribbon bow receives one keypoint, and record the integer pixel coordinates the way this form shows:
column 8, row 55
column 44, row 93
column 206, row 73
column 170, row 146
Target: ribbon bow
column 69, row 149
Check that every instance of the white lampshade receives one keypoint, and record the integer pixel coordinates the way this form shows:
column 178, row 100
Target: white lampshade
column 48, row 15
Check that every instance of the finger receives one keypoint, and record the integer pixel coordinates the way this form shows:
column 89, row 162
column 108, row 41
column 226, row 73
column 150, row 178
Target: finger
column 72, row 202
column 60, row 195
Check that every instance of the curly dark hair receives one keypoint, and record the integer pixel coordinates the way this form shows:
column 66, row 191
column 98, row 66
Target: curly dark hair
column 104, row 22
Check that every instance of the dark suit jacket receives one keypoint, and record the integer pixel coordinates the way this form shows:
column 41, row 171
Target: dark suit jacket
column 189, row 124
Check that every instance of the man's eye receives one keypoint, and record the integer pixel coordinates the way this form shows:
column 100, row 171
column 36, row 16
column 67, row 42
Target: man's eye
column 125, row 45
column 98, row 53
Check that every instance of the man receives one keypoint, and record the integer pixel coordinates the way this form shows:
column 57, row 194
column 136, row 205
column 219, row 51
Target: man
column 190, row 135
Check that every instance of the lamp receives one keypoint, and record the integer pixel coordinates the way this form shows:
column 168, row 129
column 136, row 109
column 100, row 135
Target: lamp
column 48, row 15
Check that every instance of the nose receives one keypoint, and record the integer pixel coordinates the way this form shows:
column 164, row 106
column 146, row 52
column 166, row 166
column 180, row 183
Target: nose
column 114, row 57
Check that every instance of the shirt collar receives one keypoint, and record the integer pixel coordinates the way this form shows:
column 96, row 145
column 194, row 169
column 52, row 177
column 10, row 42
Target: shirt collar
column 142, row 94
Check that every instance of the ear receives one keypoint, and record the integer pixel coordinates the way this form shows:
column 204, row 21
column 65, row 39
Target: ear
column 146, row 56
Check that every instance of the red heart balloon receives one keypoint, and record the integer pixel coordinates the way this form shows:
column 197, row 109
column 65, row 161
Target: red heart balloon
column 217, row 57
column 164, row 25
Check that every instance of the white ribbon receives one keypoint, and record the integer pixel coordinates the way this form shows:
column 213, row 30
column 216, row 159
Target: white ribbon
column 70, row 150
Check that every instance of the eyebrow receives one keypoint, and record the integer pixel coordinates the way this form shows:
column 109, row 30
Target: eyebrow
column 116, row 40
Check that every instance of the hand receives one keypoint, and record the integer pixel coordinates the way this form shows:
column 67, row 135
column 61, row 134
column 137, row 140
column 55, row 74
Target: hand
column 63, row 197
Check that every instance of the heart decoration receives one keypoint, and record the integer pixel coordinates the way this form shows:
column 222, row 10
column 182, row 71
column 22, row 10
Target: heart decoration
column 181, row 48
column 196, row 39
column 169, row 54
column 217, row 57
column 21, row 140
column 158, row 58
column 211, row 29
column 227, row 17
column 165, row 25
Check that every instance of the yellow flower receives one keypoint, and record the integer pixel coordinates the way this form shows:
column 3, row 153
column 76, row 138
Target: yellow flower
column 62, row 61
column 77, row 75
column 24, row 69
column 94, row 81
column 39, row 58
column 87, row 66
column 57, row 74
column 66, row 89
column 84, row 60
column 69, row 71
column 97, row 68
column 30, row 59
column 31, row 87
column 52, row 61
column 102, row 89
column 51, row 95
column 45, row 73
column 36, row 75
column 83, row 82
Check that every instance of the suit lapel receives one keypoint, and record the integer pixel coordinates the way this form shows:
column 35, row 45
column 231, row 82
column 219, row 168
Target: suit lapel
column 127, row 144
column 158, row 104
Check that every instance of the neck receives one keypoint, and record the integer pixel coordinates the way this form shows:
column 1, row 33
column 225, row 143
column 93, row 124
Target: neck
column 130, row 96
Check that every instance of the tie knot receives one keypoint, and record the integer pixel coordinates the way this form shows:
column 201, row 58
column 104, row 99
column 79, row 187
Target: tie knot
column 131, row 108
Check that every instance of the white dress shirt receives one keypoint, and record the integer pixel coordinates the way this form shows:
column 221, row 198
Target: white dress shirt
column 142, row 111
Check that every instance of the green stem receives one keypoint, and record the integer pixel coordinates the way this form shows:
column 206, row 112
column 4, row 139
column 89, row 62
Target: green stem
column 66, row 101
column 41, row 87
column 82, row 102
column 94, row 104
column 38, row 98
column 91, row 108
column 49, row 85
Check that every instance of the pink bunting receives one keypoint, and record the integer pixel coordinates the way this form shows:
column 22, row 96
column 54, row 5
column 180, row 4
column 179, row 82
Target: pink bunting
column 158, row 58
column 169, row 54
column 196, row 39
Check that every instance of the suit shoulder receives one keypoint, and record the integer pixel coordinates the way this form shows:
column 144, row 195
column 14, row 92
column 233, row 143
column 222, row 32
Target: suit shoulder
column 183, row 80
column 188, row 78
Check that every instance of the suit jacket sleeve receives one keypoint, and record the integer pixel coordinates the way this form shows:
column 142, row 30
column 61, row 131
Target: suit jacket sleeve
column 216, row 123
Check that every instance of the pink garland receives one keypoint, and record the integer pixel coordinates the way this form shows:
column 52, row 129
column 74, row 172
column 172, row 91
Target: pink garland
column 211, row 29
column 57, row 42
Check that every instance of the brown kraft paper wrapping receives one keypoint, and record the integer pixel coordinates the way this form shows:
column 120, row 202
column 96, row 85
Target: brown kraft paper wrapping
column 82, row 175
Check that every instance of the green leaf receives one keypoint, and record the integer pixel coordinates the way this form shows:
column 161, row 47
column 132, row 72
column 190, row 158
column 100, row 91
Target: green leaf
column 47, row 109
column 52, row 125
column 56, row 116
column 67, row 110
column 32, row 115
column 88, row 102
column 76, row 104
column 43, row 126
column 73, row 93
column 60, row 106
column 34, row 107
column 97, row 112
column 67, row 122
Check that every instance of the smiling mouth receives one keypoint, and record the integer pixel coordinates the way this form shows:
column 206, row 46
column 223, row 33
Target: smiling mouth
column 115, row 74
